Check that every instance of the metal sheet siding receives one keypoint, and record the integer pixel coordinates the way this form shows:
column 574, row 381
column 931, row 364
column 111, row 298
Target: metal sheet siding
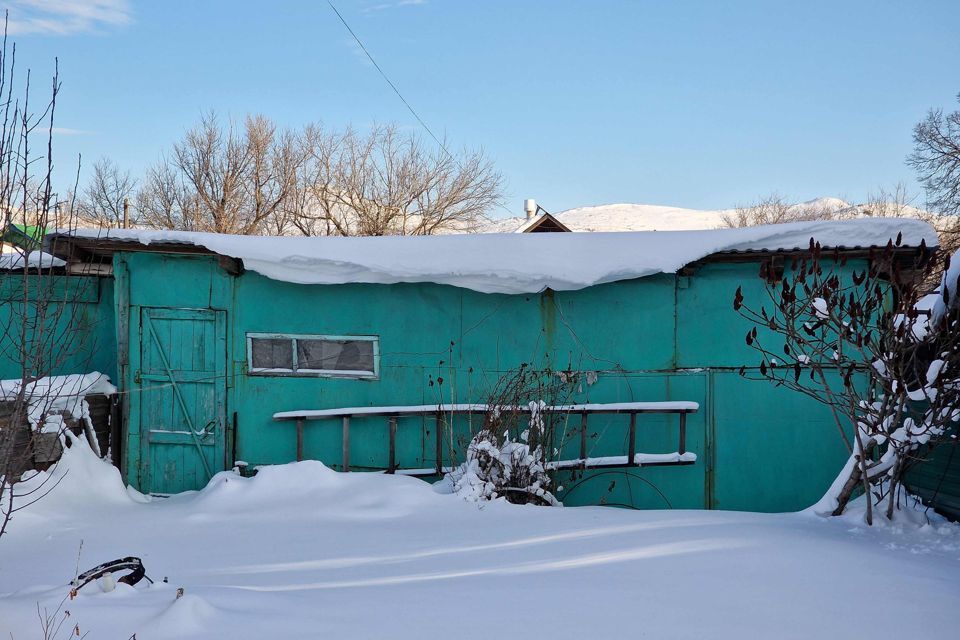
column 90, row 320
column 937, row 480
column 658, row 338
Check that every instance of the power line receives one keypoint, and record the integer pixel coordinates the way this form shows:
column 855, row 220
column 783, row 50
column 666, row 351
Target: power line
column 400, row 95
column 390, row 82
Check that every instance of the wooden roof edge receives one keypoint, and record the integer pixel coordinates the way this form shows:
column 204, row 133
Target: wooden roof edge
column 67, row 246
column 848, row 252
column 98, row 251
column 530, row 226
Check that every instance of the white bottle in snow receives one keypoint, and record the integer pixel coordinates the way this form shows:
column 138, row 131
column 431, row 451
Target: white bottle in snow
column 106, row 583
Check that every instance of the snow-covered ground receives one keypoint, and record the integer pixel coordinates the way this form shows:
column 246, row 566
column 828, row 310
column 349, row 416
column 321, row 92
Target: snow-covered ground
column 301, row 551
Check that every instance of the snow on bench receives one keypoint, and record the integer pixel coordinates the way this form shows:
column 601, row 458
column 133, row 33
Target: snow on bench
column 639, row 460
column 440, row 411
column 615, row 407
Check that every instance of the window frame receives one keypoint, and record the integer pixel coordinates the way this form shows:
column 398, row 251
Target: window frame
column 313, row 373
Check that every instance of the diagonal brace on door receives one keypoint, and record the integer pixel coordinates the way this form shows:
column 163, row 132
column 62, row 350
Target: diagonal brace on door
column 179, row 395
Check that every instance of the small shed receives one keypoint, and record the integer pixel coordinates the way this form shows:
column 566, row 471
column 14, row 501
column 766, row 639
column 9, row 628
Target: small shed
column 216, row 335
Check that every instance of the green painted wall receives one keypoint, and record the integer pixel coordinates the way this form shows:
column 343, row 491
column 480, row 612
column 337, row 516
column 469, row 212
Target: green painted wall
column 77, row 326
column 937, row 478
column 662, row 337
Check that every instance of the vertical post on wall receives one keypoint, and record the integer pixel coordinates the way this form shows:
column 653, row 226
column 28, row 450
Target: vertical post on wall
column 392, row 460
column 439, row 429
column 632, row 450
column 683, row 432
column 346, row 443
column 232, row 439
column 299, row 439
column 128, row 422
column 116, row 430
column 583, row 440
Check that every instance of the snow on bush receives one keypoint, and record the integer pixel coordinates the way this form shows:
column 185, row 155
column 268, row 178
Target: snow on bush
column 502, row 467
column 948, row 296
column 860, row 342
column 507, row 458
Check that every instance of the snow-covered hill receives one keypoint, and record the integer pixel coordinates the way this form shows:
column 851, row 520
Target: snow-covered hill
column 647, row 217
column 639, row 217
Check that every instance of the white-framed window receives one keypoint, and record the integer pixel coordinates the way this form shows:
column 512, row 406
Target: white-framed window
column 285, row 354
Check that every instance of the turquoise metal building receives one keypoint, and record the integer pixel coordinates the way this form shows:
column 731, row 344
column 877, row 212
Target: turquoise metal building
column 208, row 338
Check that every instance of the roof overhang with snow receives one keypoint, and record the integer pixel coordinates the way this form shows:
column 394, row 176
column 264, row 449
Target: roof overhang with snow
column 494, row 263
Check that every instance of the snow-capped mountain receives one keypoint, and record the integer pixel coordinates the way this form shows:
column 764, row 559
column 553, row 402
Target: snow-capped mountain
column 648, row 217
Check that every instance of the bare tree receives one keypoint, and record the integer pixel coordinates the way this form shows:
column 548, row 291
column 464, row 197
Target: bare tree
column 388, row 183
column 856, row 342
column 101, row 204
column 220, row 180
column 275, row 158
column 891, row 203
column 314, row 182
column 213, row 161
column 898, row 203
column 313, row 206
column 40, row 320
column 936, row 159
column 164, row 201
column 774, row 209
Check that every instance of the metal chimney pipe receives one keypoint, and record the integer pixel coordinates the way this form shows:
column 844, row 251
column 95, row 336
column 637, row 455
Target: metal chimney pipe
column 530, row 207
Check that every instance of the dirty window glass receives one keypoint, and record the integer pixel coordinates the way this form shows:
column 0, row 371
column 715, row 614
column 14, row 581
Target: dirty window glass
column 271, row 353
column 313, row 355
column 335, row 355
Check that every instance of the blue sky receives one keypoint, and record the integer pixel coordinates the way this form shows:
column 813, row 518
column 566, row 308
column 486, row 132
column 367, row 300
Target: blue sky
column 697, row 104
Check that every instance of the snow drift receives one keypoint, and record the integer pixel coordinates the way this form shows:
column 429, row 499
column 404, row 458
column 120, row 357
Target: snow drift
column 300, row 551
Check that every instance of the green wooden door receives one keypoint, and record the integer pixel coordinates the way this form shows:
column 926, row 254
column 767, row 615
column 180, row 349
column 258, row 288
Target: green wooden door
column 181, row 385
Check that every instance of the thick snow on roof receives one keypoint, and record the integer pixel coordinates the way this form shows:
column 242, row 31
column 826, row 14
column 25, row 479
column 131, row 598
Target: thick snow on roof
column 35, row 259
column 57, row 393
column 517, row 263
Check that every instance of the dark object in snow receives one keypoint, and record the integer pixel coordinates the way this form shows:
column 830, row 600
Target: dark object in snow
column 135, row 565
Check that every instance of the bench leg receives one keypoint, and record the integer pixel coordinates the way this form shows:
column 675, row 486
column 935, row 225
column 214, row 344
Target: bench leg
column 299, row 440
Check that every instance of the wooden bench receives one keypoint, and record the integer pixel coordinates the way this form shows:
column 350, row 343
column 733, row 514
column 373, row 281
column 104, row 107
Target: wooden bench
column 441, row 411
